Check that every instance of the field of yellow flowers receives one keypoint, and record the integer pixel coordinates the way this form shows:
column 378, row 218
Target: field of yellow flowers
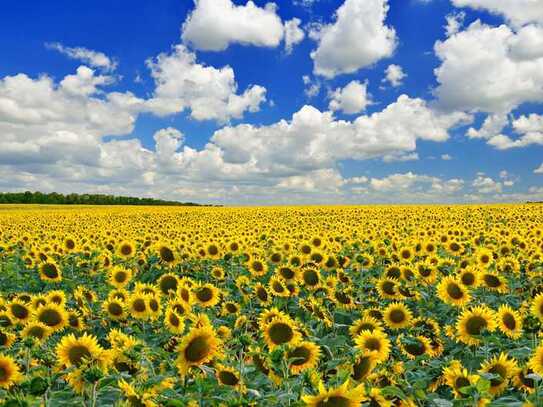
column 378, row 306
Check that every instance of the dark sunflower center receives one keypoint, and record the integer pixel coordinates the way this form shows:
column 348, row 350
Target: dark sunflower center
column 454, row 291
column 461, row 382
column 168, row 284
column 139, row 305
column 334, row 401
column 468, row 279
column 373, row 344
column 278, row 287
column 262, row 294
column 19, row 311
column 197, row 350
column 120, row 276
column 287, row 273
column 361, row 368
column 77, row 354
column 115, row 309
column 4, row 374
column 50, row 317
column 343, row 298
column 509, row 321
column 492, row 281
column 311, row 277
column 388, row 287
column 126, row 250
column 231, row 308
column 501, row 372
column 153, row 304
column 280, row 333
column 50, row 270
column 228, row 378
column 70, row 244
column 166, row 254
column 204, row 294
column 174, row 320
column 300, row 355
column 397, row 316
column 415, row 349
column 475, row 325
column 258, row 266
column 36, row 332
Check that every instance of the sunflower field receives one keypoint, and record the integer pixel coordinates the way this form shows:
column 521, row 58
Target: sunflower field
column 377, row 306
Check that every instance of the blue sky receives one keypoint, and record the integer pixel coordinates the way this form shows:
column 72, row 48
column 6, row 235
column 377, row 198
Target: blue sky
column 202, row 101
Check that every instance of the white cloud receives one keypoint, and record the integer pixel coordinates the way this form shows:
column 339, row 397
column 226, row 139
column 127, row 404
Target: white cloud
column 353, row 98
column 394, row 75
column 358, row 38
column 89, row 57
column 492, row 126
column 389, row 158
column 209, row 93
column 312, row 87
column 215, row 24
column 415, row 184
column 293, row 34
column 517, row 12
column 486, row 185
column 539, row 170
column 322, row 180
column 454, row 22
column 481, row 69
column 446, row 157
column 530, row 129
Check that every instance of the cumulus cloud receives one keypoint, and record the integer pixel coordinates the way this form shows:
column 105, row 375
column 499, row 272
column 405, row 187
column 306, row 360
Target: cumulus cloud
column 394, row 75
column 486, row 185
column 530, row 131
column 215, row 24
column 357, row 38
column 489, row 69
column 539, row 170
column 454, row 22
column 293, row 34
column 446, row 157
column 517, row 12
column 92, row 58
column 414, row 184
column 209, row 93
column 353, row 98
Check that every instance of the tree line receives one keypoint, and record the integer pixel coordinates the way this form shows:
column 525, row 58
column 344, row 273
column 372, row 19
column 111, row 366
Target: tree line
column 55, row 198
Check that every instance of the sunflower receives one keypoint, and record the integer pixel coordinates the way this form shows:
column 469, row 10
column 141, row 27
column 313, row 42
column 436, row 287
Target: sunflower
column 119, row 277
column 229, row 308
column 280, row 331
column 484, row 257
column 155, row 307
column 397, row 316
column 9, row 372
column 258, row 267
column 375, row 398
column 7, row 339
column 509, row 321
column 501, row 366
column 277, row 287
column 228, row 376
column 375, row 343
column 138, row 306
column 173, row 321
column 523, row 380
column 115, row 309
column 305, row 355
column 207, row 295
column 340, row 396
column 52, row 315
column 451, row 291
column 50, row 271
column 342, row 299
column 36, row 330
column 363, row 366
column 56, row 297
column 166, row 254
column 457, row 378
column 474, row 322
column 470, row 277
column 72, row 351
column 198, row 347
column 365, row 323
column 494, row 282
column 537, row 306
column 387, row 287
column 415, row 346
column 19, row 311
column 168, row 283
column 126, row 249
column 75, row 320
column 310, row 277
column 536, row 361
